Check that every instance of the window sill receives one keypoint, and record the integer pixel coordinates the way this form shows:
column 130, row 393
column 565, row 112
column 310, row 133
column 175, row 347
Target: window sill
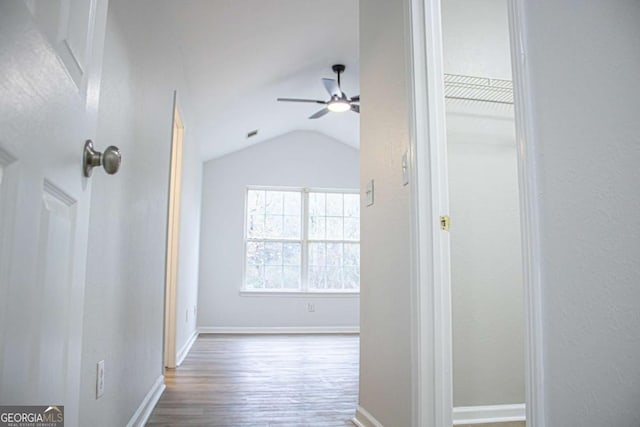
column 315, row 294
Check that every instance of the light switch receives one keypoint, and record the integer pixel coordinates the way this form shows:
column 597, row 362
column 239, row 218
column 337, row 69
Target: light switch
column 100, row 379
column 368, row 193
column 405, row 170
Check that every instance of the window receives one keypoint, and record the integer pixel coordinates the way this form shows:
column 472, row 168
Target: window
column 302, row 240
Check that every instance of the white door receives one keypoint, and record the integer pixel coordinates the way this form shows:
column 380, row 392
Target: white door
column 50, row 60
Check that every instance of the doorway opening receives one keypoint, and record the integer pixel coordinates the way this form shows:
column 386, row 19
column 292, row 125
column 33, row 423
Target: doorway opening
column 487, row 318
column 464, row 90
column 278, row 132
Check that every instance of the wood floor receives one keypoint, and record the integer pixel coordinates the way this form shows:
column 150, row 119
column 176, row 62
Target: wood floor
column 264, row 380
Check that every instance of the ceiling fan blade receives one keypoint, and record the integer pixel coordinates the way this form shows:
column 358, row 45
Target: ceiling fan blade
column 332, row 87
column 355, row 108
column 319, row 113
column 315, row 101
column 355, row 98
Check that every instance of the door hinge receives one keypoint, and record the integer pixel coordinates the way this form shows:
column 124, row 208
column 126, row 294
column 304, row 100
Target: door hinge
column 445, row 222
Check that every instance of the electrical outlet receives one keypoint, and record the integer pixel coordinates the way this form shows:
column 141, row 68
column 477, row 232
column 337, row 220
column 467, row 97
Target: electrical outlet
column 186, row 315
column 311, row 307
column 100, row 379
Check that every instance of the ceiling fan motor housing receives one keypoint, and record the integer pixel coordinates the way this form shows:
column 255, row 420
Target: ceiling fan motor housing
column 338, row 68
column 339, row 101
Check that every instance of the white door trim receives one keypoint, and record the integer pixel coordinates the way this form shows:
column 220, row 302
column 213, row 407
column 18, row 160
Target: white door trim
column 173, row 239
column 432, row 395
column 530, row 217
column 431, row 317
column 465, row 415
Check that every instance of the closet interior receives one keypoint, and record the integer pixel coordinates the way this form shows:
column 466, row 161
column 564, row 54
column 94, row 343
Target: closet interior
column 486, row 264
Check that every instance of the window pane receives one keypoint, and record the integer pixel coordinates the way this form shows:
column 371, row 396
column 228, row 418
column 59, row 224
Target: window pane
column 273, row 265
column 316, row 277
column 317, row 204
column 317, row 254
column 334, row 277
column 334, row 254
column 255, row 201
column 340, row 269
column 351, row 229
column 351, row 255
column 292, row 203
column 273, row 253
column 255, row 226
column 272, row 277
column 275, row 202
column 273, row 226
column 317, row 228
column 291, row 277
column 254, row 277
column 255, row 253
column 334, row 204
column 291, row 227
column 291, row 254
column 352, row 205
column 334, row 228
column 351, row 278
column 274, row 214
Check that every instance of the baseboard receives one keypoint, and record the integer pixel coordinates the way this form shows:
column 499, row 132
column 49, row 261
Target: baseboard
column 279, row 330
column 364, row 419
column 142, row 414
column 464, row 415
column 186, row 348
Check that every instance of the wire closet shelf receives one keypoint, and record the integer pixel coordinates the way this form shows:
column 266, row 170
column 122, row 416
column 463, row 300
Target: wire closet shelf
column 481, row 89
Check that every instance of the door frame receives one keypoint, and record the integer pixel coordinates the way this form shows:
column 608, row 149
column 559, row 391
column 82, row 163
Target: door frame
column 526, row 144
column 431, row 307
column 173, row 238
column 431, row 285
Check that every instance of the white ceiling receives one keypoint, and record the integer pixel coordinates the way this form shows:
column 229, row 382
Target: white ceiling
column 240, row 55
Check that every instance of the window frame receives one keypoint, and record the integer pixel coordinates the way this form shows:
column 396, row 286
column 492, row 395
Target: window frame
column 304, row 243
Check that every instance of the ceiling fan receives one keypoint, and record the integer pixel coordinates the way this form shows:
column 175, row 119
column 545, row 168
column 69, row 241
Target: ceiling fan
column 339, row 101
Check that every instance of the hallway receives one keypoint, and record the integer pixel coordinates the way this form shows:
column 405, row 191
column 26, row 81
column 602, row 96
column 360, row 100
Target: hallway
column 263, row 380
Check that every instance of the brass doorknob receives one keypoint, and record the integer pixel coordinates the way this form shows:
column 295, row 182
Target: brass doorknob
column 110, row 160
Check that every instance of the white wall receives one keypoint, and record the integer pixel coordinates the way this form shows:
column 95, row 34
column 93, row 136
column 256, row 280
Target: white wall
column 297, row 159
column 486, row 260
column 584, row 64
column 385, row 321
column 125, row 274
column 476, row 38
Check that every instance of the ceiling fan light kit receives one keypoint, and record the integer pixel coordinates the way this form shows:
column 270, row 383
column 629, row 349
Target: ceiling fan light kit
column 338, row 106
column 339, row 101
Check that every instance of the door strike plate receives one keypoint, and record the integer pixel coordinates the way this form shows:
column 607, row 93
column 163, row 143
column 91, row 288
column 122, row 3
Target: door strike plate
column 445, row 222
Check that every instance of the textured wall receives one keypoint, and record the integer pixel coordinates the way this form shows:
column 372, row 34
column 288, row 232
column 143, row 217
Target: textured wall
column 385, row 323
column 297, row 159
column 475, row 35
column 486, row 260
column 124, row 308
column 584, row 64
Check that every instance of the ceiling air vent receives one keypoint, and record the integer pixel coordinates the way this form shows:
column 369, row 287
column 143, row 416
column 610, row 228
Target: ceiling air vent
column 252, row 133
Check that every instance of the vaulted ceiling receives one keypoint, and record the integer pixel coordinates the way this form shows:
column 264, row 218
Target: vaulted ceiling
column 240, row 55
